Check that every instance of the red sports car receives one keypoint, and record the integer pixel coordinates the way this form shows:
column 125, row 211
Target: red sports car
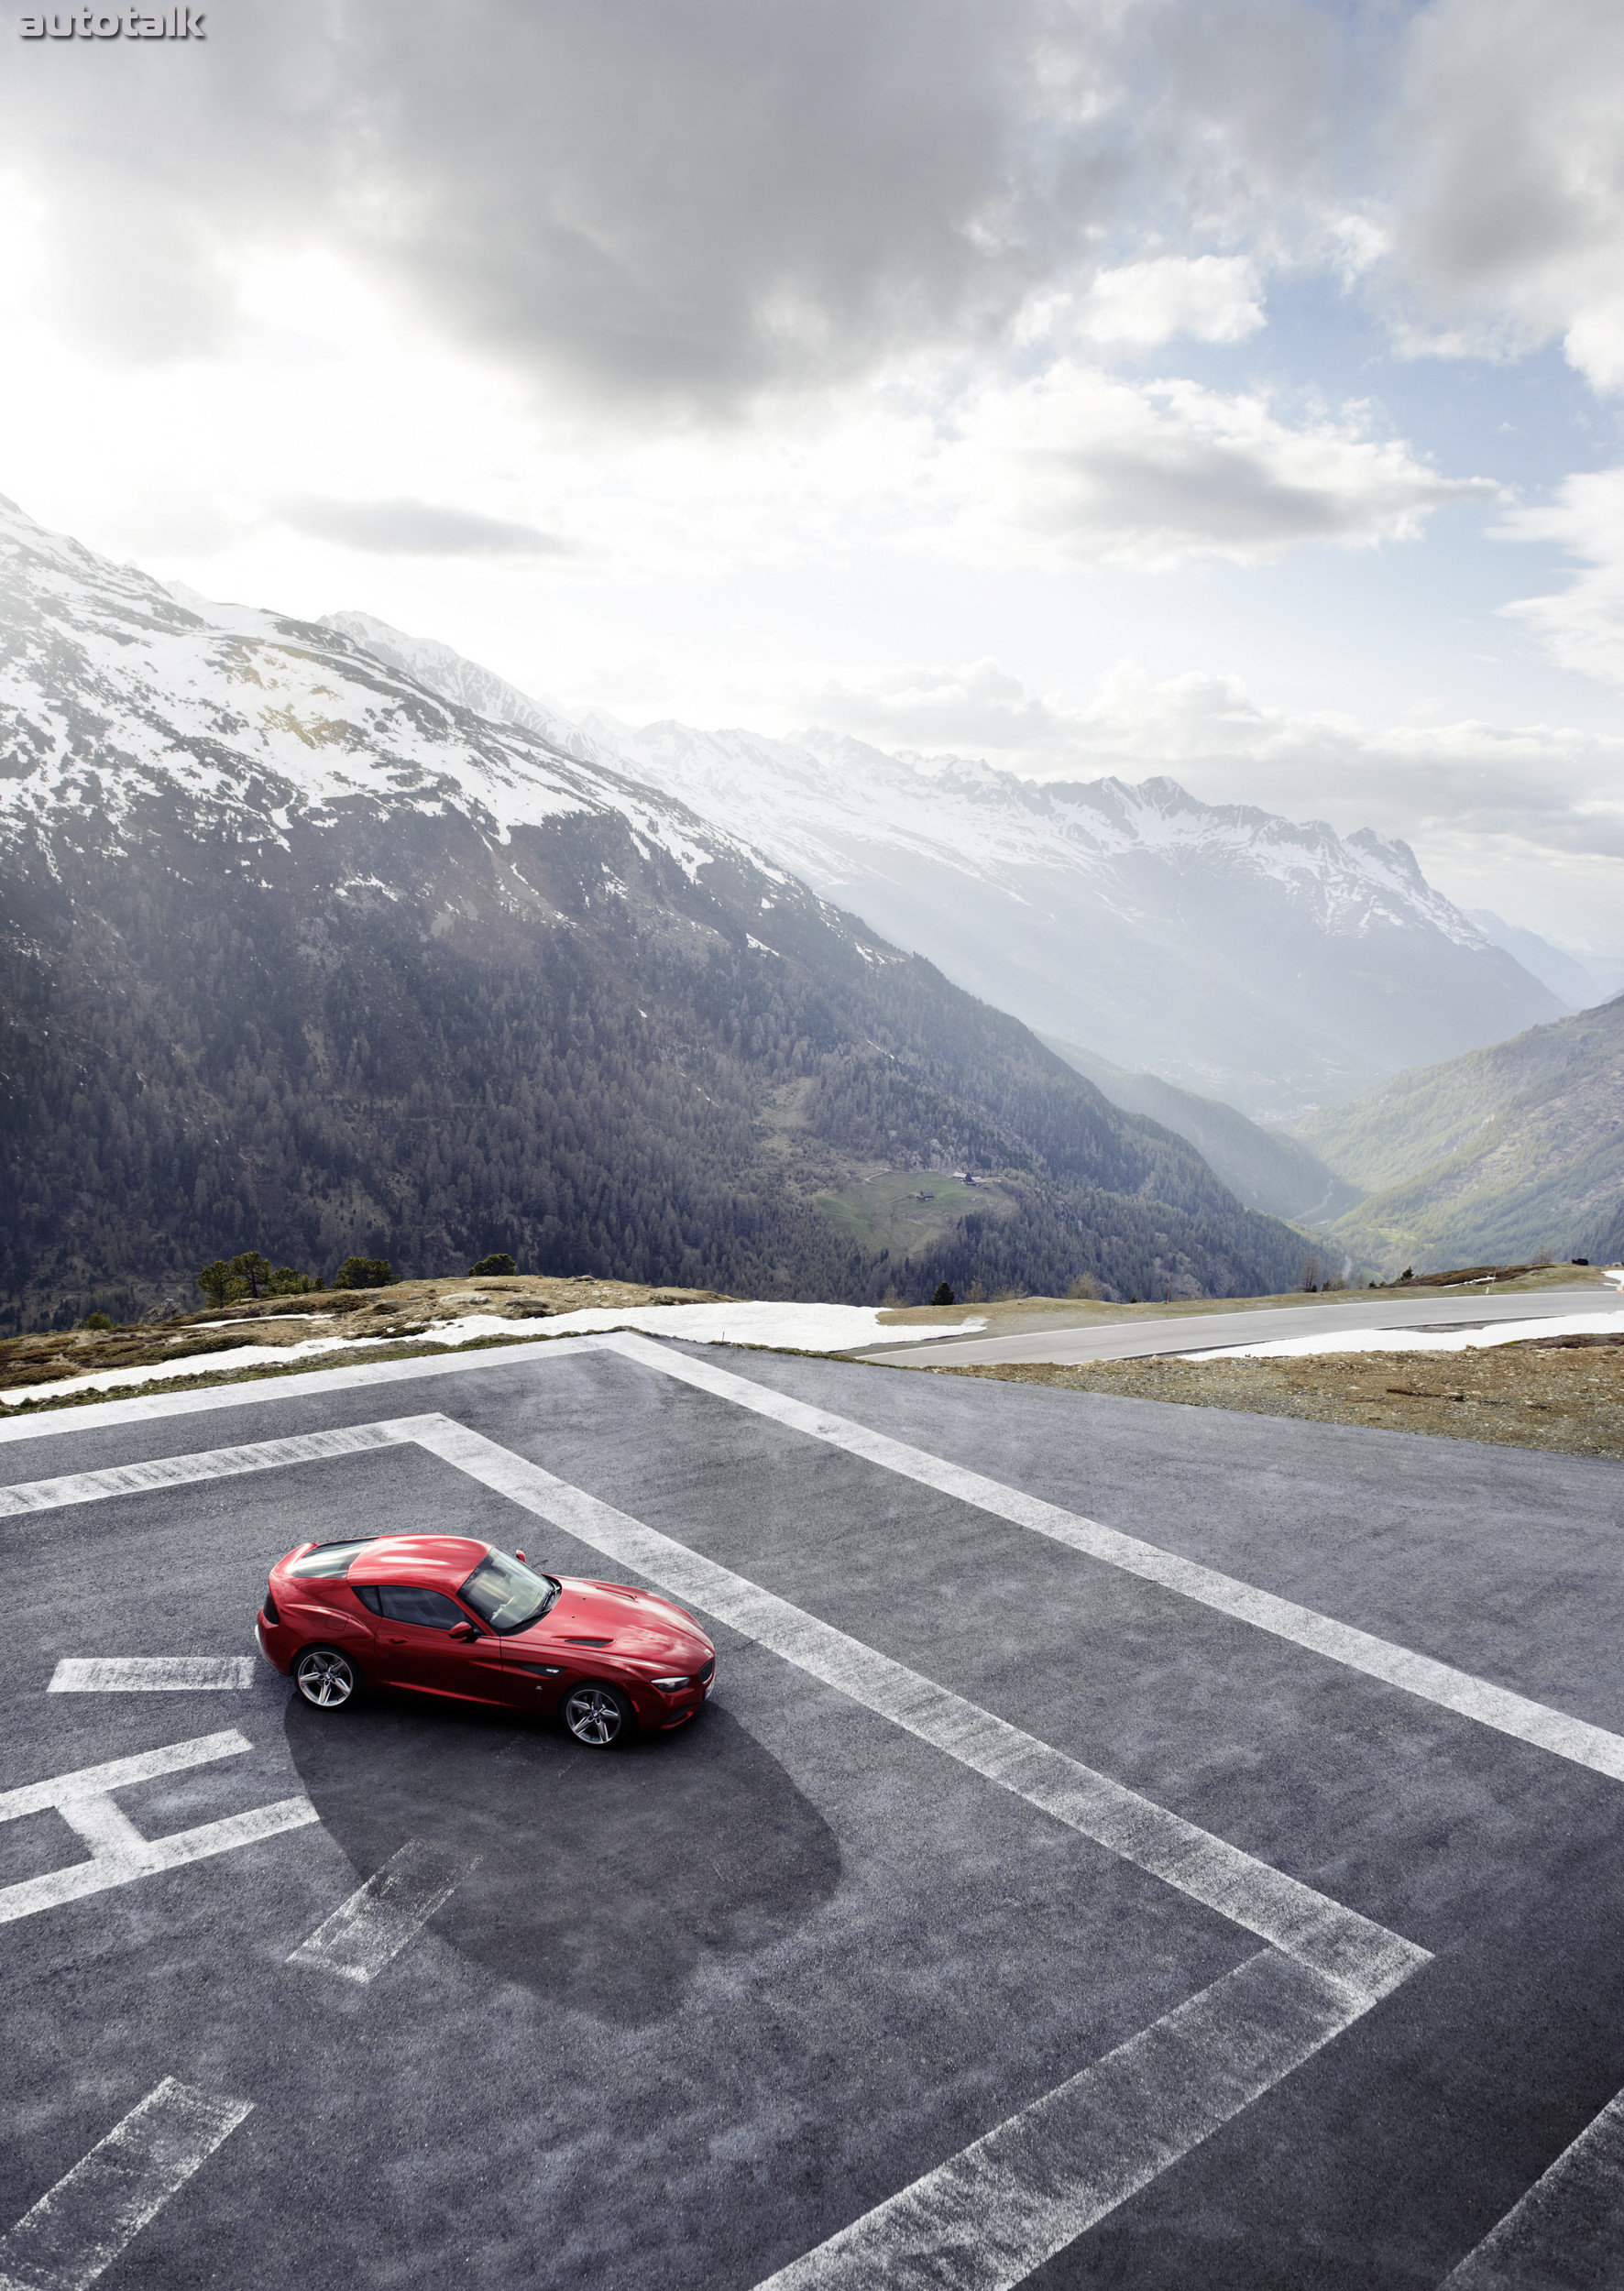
column 443, row 1615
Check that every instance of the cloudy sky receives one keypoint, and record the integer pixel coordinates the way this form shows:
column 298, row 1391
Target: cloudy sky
column 1119, row 386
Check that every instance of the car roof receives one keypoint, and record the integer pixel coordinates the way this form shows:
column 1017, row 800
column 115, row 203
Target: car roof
column 442, row 1560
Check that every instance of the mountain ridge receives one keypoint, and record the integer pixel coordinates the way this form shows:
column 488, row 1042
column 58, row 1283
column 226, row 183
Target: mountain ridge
column 299, row 953
column 1269, row 963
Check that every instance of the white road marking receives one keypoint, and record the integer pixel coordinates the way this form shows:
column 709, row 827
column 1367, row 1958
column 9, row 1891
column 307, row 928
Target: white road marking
column 150, row 1674
column 101, row 1415
column 1306, row 1924
column 119, row 1853
column 1569, row 2226
column 988, row 2216
column 1433, row 1681
column 80, row 2226
column 162, row 1471
column 370, row 1930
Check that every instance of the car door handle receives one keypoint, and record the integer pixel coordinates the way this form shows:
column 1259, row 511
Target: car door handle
column 393, row 1641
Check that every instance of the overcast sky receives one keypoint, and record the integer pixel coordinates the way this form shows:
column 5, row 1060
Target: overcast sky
column 1128, row 385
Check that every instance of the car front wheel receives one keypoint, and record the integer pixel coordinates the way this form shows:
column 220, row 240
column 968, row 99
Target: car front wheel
column 327, row 1679
column 598, row 1715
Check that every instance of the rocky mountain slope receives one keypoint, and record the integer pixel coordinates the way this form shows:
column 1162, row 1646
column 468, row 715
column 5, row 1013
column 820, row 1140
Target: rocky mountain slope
column 1235, row 953
column 1489, row 1157
column 297, row 953
column 1232, row 952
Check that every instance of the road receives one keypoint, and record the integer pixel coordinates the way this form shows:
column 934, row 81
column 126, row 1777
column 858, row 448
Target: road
column 1191, row 1332
column 1127, row 1846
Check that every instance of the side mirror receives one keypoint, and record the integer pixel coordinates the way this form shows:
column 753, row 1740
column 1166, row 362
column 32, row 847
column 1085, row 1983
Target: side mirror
column 462, row 1630
column 519, row 1554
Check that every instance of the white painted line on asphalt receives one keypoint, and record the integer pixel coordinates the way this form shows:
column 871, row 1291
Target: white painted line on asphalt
column 1433, row 1681
column 80, row 2226
column 150, row 1674
column 166, row 1471
column 121, row 1773
column 988, row 2216
column 1306, row 1924
column 1568, row 2229
column 368, row 1930
column 119, row 1853
column 103, row 1415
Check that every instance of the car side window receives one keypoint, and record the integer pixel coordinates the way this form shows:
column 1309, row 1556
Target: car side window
column 410, row 1602
column 368, row 1595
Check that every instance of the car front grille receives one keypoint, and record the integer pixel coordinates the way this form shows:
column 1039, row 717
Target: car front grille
column 269, row 1609
column 702, row 1677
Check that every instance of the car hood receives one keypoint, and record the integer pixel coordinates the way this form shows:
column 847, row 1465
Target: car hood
column 636, row 1625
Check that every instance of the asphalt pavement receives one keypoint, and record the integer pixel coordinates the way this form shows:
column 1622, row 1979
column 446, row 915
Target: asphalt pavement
column 1085, row 1872
column 1212, row 1332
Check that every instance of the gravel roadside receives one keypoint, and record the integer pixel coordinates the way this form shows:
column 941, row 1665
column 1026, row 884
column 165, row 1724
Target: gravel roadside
column 1564, row 1397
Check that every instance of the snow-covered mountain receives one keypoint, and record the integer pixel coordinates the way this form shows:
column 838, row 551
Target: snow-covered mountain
column 114, row 695
column 300, row 953
column 1271, row 964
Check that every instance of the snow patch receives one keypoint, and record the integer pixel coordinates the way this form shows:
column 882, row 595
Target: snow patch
column 782, row 1328
column 1421, row 1340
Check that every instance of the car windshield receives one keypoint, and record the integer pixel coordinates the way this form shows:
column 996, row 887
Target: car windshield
column 508, row 1595
column 329, row 1559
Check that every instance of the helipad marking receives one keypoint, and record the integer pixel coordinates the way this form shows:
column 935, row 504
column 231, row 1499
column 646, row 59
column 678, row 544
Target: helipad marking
column 119, row 1853
column 81, row 2226
column 988, row 2216
column 163, row 1472
column 1014, row 2191
column 1567, row 2228
column 151, row 1674
column 367, row 1932
column 1440, row 1682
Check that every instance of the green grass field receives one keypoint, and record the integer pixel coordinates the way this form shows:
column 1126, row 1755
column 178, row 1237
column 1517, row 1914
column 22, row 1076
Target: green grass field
column 883, row 1213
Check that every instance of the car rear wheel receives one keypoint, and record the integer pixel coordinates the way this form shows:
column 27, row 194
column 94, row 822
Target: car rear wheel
column 598, row 1715
column 326, row 1678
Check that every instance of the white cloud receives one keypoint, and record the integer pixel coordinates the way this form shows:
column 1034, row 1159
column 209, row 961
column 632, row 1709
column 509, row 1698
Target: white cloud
column 1208, row 298
column 1581, row 626
column 1083, row 466
column 1510, row 145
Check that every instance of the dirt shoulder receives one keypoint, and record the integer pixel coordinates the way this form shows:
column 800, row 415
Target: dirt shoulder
column 1568, row 1399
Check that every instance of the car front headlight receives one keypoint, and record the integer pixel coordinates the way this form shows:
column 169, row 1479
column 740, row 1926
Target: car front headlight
column 669, row 1686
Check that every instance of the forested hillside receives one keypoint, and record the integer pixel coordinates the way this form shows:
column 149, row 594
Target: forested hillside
column 300, row 957
column 1494, row 1156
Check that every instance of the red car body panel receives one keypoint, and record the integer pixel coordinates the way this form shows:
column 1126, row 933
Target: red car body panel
column 603, row 1632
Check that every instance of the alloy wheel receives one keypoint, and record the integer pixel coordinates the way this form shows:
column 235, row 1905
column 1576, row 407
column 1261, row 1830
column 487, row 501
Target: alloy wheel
column 326, row 1678
column 594, row 1714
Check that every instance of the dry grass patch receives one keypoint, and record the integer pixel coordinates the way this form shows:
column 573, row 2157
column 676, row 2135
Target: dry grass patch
column 1566, row 1398
column 363, row 1316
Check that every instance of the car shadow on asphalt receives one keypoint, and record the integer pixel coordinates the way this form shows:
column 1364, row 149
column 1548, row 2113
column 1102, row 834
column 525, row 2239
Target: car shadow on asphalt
column 604, row 1876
